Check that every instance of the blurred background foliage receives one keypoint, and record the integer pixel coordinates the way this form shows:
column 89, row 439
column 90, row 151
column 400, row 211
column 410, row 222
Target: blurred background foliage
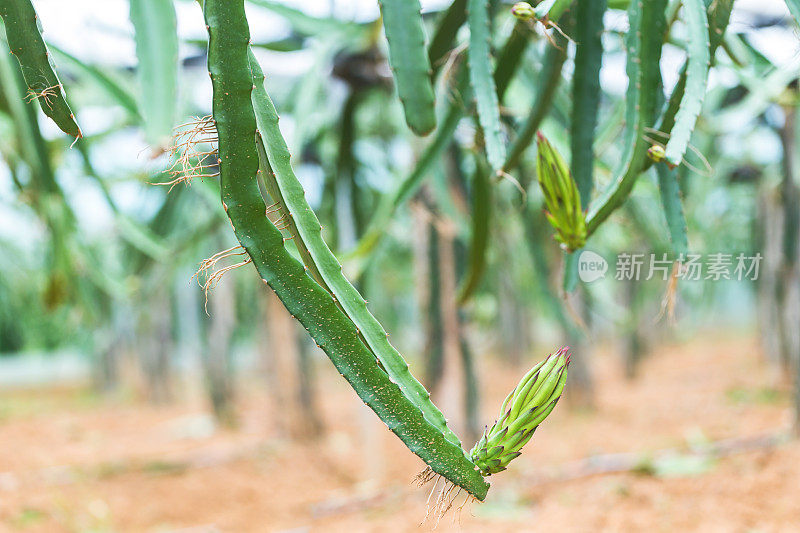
column 96, row 261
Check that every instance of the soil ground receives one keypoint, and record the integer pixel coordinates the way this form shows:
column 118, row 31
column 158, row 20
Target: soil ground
column 72, row 461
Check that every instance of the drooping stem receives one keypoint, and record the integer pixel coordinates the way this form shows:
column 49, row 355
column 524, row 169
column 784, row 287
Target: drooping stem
column 305, row 299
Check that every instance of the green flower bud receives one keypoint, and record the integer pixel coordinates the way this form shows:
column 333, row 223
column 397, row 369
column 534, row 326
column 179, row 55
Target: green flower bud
column 561, row 196
column 656, row 153
column 523, row 11
column 523, row 410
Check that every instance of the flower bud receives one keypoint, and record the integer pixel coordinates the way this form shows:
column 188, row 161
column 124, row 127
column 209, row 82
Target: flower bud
column 656, row 153
column 523, row 410
column 561, row 196
column 523, row 11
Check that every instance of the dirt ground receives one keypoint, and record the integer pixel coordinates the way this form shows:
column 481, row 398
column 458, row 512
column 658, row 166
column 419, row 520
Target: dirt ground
column 70, row 461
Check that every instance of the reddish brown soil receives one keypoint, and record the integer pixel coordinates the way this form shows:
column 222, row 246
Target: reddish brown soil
column 72, row 462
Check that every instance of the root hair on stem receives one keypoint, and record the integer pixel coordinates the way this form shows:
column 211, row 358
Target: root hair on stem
column 447, row 493
column 194, row 151
column 44, row 94
column 211, row 280
column 548, row 24
column 708, row 170
column 501, row 174
column 452, row 62
column 670, row 297
column 573, row 313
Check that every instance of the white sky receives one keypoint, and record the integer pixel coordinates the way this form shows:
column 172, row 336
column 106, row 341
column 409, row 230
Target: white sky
column 99, row 30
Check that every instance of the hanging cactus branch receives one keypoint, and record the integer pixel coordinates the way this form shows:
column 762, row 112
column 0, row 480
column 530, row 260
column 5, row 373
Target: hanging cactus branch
column 309, row 302
column 26, row 44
